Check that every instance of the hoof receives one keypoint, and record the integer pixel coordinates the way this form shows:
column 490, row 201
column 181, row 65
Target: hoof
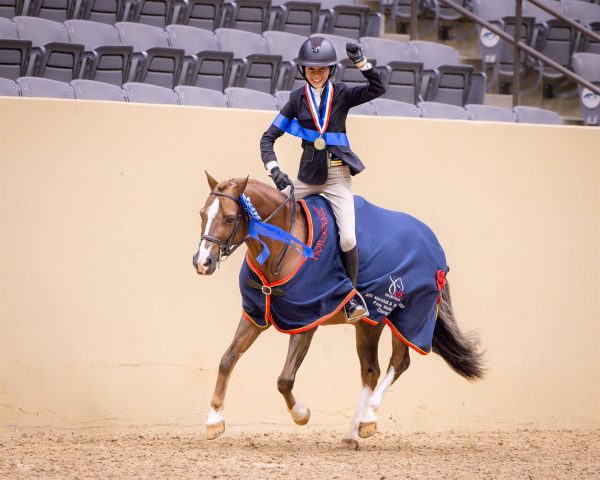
column 303, row 421
column 366, row 430
column 214, row 431
column 350, row 443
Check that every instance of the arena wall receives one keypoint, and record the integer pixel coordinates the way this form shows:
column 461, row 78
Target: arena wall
column 104, row 323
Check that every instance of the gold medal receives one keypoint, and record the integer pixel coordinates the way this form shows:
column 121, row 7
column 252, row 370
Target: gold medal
column 319, row 143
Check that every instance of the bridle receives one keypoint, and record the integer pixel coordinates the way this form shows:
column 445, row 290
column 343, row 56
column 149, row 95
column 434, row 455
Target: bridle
column 227, row 247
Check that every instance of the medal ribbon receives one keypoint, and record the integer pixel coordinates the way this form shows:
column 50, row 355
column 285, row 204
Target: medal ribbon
column 320, row 122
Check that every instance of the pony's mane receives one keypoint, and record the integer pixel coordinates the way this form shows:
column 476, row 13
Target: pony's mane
column 256, row 185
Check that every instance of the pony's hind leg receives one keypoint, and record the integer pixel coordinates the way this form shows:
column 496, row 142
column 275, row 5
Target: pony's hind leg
column 367, row 341
column 297, row 349
column 244, row 337
column 399, row 363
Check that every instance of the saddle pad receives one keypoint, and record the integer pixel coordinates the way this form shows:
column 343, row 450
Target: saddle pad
column 402, row 270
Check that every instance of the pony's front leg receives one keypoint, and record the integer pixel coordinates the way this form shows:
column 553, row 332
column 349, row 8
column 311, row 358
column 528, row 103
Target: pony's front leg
column 245, row 335
column 367, row 342
column 399, row 363
column 297, row 349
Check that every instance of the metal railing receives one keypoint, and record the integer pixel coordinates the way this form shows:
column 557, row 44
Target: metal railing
column 518, row 45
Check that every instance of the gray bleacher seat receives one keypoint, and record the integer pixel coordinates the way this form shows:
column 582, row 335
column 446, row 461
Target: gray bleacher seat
column 53, row 55
column 488, row 113
column 203, row 97
column 366, row 108
column 44, row 87
column 299, row 17
column 443, row 111
column 105, row 59
column 10, row 8
column 14, row 53
column 497, row 54
column 587, row 66
column 57, row 10
column 445, row 78
column 158, row 13
column 105, row 11
column 248, row 15
column 205, row 14
column 587, row 14
column 554, row 38
column 147, row 93
column 93, row 90
column 344, row 18
column 253, row 99
column 253, row 66
column 8, row 88
column 402, row 75
column 287, row 46
column 393, row 108
column 282, row 97
column 537, row 115
column 204, row 64
column 154, row 61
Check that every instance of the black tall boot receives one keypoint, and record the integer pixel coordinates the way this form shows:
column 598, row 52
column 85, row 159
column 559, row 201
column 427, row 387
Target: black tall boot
column 354, row 310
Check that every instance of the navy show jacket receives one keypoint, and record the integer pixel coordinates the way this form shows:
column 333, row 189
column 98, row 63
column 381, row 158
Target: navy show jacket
column 313, row 163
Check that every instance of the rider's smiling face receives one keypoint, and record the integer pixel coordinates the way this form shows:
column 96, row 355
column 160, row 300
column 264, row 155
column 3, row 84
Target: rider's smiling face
column 317, row 76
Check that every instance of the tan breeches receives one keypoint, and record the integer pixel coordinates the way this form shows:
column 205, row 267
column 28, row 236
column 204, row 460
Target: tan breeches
column 338, row 190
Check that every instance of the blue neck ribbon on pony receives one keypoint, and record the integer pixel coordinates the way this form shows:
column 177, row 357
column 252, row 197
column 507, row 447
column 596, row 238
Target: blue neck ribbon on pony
column 257, row 227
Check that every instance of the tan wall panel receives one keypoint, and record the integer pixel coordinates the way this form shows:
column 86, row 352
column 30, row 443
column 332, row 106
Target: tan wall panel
column 104, row 323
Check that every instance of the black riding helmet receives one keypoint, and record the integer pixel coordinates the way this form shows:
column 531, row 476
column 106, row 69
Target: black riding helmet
column 316, row 52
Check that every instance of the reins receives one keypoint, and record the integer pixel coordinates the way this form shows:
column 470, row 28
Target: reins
column 226, row 248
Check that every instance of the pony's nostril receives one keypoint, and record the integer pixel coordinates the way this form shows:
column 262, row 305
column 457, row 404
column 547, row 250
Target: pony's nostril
column 208, row 262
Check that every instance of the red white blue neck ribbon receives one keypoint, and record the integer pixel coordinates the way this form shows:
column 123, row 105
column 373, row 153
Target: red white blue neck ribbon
column 257, row 227
column 321, row 121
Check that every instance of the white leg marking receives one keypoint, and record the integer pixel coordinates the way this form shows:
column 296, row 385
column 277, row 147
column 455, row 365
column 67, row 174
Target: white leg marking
column 377, row 396
column 204, row 250
column 298, row 412
column 363, row 398
column 215, row 417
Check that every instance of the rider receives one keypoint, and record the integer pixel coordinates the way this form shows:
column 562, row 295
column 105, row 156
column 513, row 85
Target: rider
column 317, row 113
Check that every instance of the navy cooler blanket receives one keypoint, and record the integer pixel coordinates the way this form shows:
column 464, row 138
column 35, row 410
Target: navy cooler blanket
column 314, row 292
column 402, row 270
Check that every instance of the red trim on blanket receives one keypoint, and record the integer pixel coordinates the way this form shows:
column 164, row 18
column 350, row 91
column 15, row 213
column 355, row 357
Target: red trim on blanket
column 369, row 321
column 404, row 340
column 251, row 320
column 321, row 320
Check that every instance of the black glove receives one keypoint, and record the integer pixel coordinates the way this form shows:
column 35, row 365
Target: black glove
column 280, row 179
column 354, row 52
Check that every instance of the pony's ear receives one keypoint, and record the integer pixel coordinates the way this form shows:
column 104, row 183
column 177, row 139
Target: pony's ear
column 241, row 186
column 212, row 183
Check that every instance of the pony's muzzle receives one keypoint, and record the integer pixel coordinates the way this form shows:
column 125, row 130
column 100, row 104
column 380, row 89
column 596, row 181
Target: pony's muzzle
column 204, row 264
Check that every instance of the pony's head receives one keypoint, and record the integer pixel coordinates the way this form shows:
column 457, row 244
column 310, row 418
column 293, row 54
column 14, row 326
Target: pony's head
column 222, row 216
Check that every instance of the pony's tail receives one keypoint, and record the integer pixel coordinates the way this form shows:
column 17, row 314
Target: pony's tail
column 460, row 351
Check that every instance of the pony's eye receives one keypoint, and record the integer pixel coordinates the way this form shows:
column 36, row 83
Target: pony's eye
column 230, row 219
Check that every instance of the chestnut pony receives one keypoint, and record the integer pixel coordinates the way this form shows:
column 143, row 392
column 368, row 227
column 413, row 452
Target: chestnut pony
column 225, row 226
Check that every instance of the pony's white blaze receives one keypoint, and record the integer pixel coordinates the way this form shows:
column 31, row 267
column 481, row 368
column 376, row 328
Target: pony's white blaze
column 204, row 250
